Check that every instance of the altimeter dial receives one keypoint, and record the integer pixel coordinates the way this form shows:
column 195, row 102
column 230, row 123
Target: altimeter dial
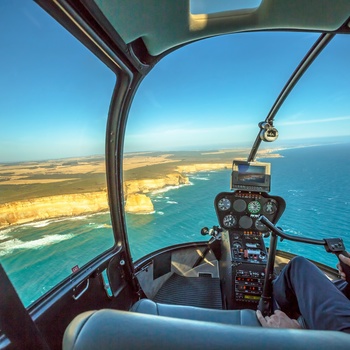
column 229, row 221
column 254, row 207
column 224, row 204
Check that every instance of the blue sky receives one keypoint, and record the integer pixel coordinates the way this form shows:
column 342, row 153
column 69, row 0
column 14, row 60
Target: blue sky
column 239, row 81
column 55, row 94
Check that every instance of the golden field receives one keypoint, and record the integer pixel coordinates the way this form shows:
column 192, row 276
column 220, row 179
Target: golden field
column 40, row 190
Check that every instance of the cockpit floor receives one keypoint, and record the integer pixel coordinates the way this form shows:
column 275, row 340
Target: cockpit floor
column 192, row 291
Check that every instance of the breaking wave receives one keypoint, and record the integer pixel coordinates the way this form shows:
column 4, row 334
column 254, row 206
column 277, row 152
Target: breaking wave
column 200, row 178
column 168, row 188
column 12, row 245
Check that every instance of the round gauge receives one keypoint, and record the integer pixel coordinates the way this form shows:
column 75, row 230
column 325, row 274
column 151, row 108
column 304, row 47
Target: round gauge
column 229, row 221
column 239, row 205
column 270, row 207
column 224, row 204
column 245, row 222
column 260, row 226
column 236, row 245
column 254, row 207
column 236, row 235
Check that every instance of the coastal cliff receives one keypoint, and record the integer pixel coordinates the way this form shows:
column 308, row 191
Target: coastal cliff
column 202, row 167
column 149, row 185
column 89, row 196
column 136, row 202
column 19, row 212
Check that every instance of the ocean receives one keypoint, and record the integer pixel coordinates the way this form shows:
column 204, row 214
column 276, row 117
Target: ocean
column 315, row 187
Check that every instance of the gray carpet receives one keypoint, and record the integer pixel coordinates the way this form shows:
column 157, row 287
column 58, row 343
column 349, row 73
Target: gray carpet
column 191, row 291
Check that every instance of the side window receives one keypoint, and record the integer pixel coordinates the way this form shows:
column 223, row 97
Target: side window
column 315, row 118
column 55, row 95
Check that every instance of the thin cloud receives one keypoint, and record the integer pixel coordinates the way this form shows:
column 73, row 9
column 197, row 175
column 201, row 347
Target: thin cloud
column 315, row 121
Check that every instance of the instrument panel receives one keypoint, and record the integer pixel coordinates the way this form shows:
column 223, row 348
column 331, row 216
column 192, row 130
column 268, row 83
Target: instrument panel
column 243, row 252
column 240, row 210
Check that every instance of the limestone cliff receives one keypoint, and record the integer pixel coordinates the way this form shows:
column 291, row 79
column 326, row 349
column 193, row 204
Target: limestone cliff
column 149, row 185
column 20, row 212
column 202, row 167
column 138, row 204
column 52, row 207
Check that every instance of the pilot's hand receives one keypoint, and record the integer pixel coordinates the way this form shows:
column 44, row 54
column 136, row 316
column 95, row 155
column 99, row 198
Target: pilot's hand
column 277, row 320
column 346, row 261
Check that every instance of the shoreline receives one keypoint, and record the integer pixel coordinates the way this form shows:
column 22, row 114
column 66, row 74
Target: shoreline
column 36, row 223
column 52, row 207
column 161, row 171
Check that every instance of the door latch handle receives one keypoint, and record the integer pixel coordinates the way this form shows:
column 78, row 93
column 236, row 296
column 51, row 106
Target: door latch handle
column 76, row 297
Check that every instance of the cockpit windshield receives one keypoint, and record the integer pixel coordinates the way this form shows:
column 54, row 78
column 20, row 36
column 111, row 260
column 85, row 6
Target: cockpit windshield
column 199, row 109
column 213, row 93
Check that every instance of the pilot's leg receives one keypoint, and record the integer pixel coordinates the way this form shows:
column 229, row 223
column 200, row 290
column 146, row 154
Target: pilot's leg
column 303, row 288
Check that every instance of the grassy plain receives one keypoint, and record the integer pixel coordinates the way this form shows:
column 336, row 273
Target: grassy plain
column 30, row 180
column 170, row 161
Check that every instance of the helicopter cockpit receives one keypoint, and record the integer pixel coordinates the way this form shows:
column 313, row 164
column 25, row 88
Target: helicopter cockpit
column 124, row 222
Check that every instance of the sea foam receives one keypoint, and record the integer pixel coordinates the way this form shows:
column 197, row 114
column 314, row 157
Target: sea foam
column 168, row 188
column 10, row 246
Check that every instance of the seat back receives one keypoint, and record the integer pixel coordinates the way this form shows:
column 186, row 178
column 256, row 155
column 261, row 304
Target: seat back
column 112, row 329
column 243, row 317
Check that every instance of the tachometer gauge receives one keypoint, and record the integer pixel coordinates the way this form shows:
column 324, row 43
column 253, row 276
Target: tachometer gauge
column 254, row 207
column 229, row 221
column 224, row 204
column 270, row 207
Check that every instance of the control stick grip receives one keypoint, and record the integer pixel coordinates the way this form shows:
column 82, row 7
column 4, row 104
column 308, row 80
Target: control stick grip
column 345, row 268
column 337, row 247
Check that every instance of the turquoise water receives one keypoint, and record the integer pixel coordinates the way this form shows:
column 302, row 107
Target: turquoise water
column 315, row 188
column 37, row 256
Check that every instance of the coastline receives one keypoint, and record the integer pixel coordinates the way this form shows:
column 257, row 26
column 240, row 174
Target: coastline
column 70, row 205
column 52, row 207
column 144, row 174
column 45, row 222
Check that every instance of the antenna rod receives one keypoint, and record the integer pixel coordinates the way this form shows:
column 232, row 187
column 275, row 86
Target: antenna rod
column 315, row 50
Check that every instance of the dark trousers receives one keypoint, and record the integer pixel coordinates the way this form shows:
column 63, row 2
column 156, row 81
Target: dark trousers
column 302, row 288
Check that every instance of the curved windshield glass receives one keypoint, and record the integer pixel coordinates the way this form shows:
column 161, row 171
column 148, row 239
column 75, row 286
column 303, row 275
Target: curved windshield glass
column 54, row 105
column 313, row 176
column 199, row 109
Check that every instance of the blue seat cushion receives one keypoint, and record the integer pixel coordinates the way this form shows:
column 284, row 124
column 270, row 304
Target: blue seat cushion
column 113, row 329
column 234, row 317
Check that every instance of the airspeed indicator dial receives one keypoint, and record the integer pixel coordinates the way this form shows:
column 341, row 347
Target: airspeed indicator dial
column 224, row 204
column 254, row 207
column 229, row 221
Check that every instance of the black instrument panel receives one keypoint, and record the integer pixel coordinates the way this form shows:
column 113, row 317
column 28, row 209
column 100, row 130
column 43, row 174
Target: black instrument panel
column 239, row 210
column 243, row 252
